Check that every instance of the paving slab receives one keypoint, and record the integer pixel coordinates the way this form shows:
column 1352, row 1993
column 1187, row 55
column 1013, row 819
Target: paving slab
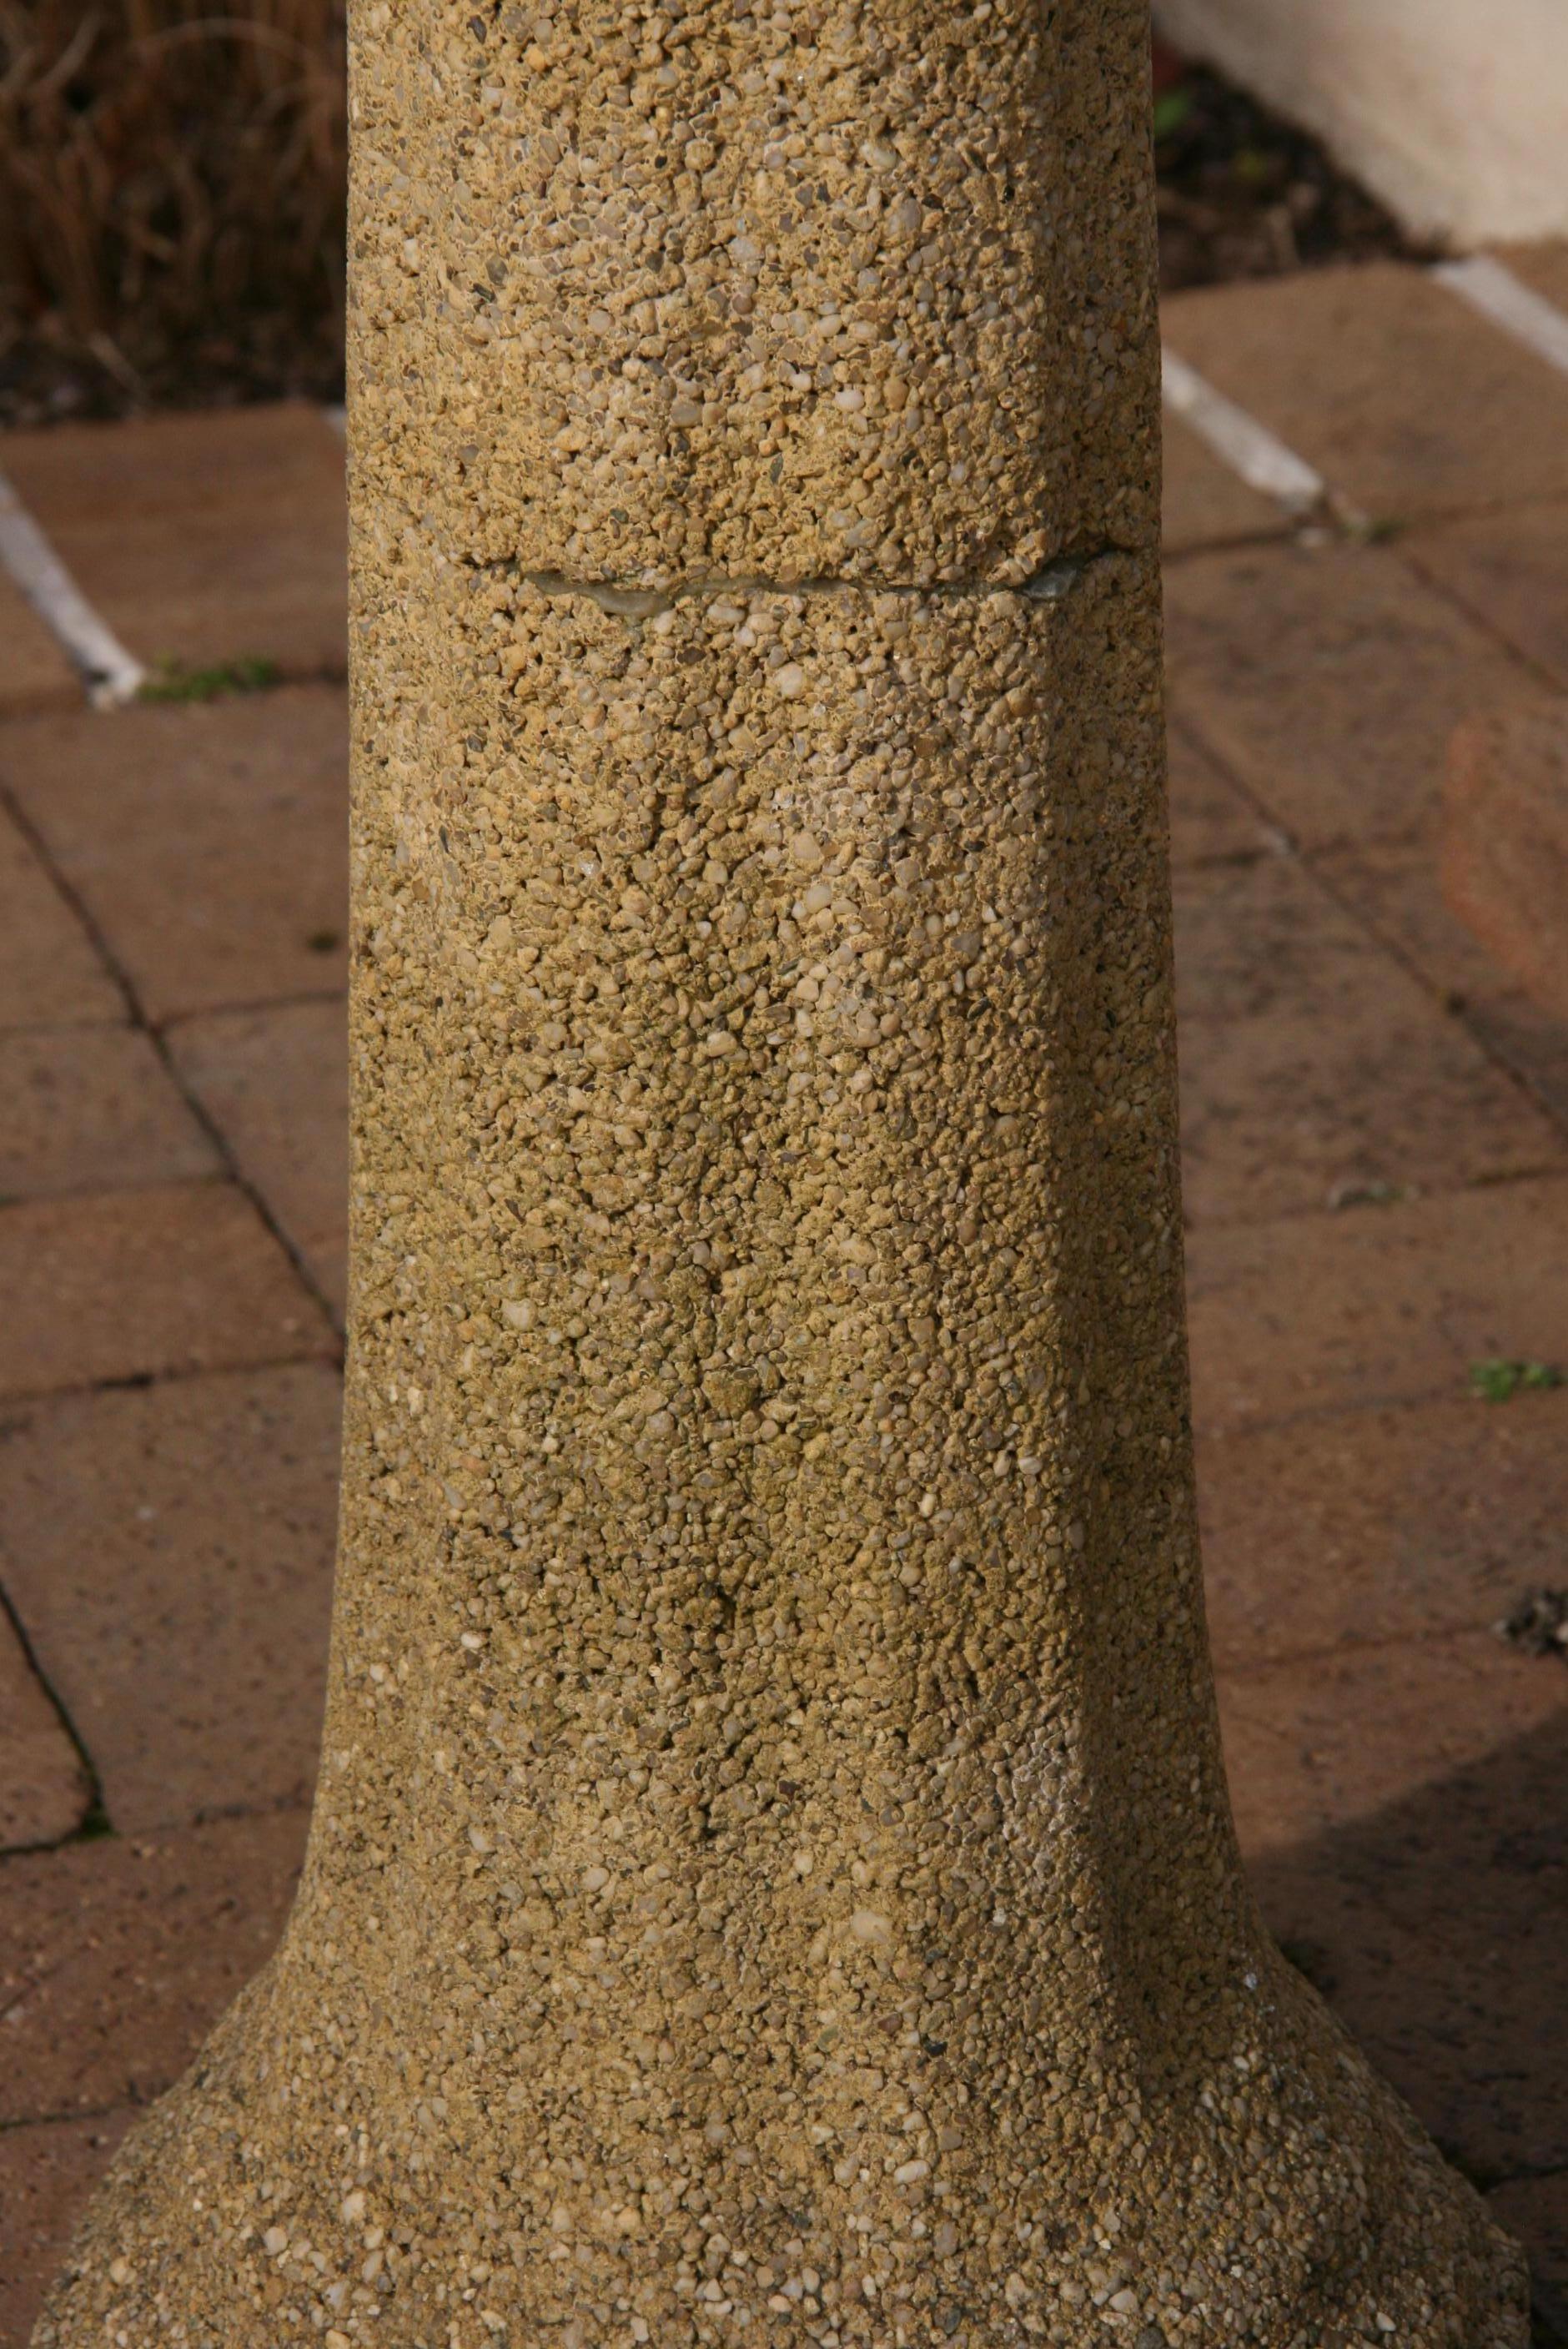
column 1395, row 888
column 34, row 672
column 1314, row 1067
column 1288, row 1112
column 209, row 844
column 1375, row 1305
column 92, row 1108
column 44, row 1790
column 117, row 1955
column 1319, row 1743
column 1543, row 267
column 168, row 1551
column 1328, row 680
column 50, row 968
column 135, row 1284
column 1396, row 891
column 1508, row 570
column 1377, row 1526
column 1404, row 1815
column 1206, row 502
column 1531, row 1042
column 275, row 1082
column 1211, row 820
column 1505, row 845
column 1401, row 394
column 200, row 538
column 1266, row 937
column 47, row 2173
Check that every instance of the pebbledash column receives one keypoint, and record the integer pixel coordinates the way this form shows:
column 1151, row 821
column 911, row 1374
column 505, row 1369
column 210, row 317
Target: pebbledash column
column 772, row 1879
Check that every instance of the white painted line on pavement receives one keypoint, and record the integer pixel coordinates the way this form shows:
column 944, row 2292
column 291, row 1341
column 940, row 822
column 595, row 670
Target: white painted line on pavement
column 112, row 675
column 1249, row 447
column 1492, row 289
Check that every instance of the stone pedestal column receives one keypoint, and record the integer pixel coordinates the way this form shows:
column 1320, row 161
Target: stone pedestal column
column 771, row 1878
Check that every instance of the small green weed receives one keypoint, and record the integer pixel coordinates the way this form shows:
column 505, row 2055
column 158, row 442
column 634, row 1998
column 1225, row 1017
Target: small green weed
column 173, row 681
column 1497, row 1380
column 1170, row 111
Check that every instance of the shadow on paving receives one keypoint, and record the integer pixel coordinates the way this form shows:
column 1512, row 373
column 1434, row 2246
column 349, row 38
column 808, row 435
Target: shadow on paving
column 1436, row 1930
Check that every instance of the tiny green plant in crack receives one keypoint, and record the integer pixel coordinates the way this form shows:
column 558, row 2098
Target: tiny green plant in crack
column 174, row 681
column 1499, row 1380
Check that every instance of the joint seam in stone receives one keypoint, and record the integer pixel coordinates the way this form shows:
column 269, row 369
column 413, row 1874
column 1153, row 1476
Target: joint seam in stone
column 1049, row 585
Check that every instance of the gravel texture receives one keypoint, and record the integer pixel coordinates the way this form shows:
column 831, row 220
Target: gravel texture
column 771, row 1874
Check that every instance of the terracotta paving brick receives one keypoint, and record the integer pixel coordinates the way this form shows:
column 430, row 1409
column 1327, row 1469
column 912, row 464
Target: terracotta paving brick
column 275, row 1082
column 1288, row 1112
column 44, row 1790
column 209, row 843
column 116, row 1956
column 47, row 2172
column 1381, row 1525
column 1535, row 2212
column 1504, row 866
column 1403, row 396
column 1204, row 502
column 34, row 672
column 1329, row 679
column 1396, row 890
column 169, row 1553
column 1405, row 1811
column 1210, row 818
column 1527, row 1041
column 1543, row 267
column 92, row 1108
column 1313, row 1064
column 1377, row 1305
column 1509, row 572
column 1320, row 1743
column 1265, row 937
column 50, row 968
column 199, row 537
column 130, row 1284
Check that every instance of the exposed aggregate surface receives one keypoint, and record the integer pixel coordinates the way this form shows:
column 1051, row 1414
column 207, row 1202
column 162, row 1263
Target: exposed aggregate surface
column 771, row 1877
column 864, row 293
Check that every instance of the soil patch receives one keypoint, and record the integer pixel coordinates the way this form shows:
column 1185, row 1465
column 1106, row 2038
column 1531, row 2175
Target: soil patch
column 1243, row 193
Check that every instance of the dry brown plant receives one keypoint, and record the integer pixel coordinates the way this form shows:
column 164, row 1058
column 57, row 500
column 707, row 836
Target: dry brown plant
column 171, row 188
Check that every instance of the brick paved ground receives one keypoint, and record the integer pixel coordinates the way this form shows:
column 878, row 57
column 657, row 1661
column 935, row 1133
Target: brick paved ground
column 1377, row 1143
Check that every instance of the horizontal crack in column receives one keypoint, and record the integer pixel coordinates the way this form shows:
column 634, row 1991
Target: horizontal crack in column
column 1047, row 585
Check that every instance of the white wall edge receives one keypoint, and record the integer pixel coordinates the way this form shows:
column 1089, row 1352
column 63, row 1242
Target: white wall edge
column 1451, row 112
